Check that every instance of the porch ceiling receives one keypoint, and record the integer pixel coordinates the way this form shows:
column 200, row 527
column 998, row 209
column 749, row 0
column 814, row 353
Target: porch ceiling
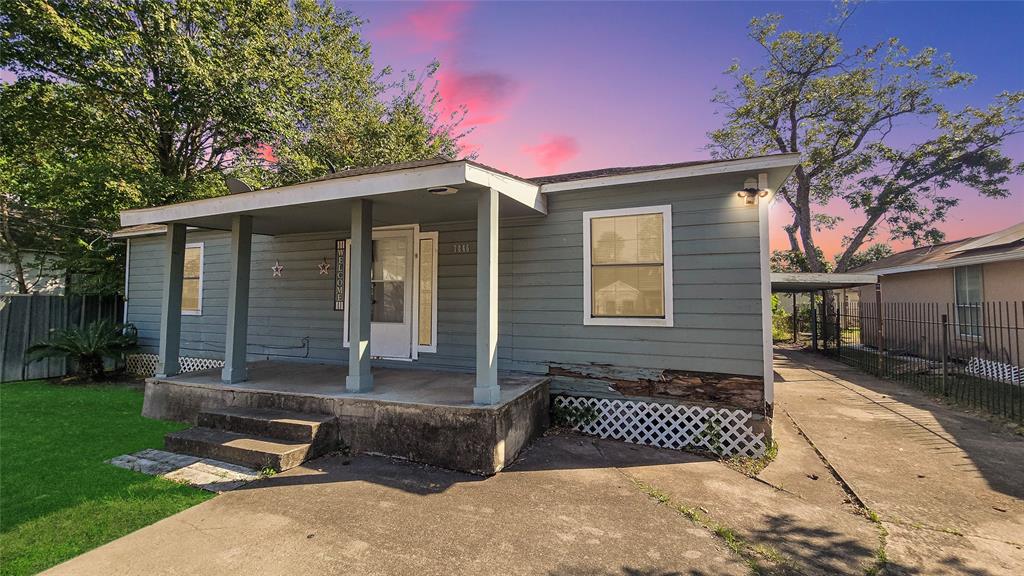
column 399, row 197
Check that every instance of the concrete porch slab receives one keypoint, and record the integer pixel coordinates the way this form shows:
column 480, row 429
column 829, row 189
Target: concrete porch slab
column 422, row 415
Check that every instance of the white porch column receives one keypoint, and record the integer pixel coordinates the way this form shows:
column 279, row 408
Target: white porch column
column 238, row 301
column 486, row 390
column 359, row 377
column 170, row 307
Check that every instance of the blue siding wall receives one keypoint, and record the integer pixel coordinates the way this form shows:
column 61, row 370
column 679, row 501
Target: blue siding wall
column 715, row 271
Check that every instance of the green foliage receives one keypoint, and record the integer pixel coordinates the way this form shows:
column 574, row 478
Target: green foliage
column 58, row 496
column 872, row 253
column 843, row 111
column 573, row 416
column 88, row 347
column 712, row 432
column 124, row 104
column 782, row 321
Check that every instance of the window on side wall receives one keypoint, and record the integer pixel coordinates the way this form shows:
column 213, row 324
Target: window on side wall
column 192, row 281
column 627, row 272
column 426, row 337
column 968, row 300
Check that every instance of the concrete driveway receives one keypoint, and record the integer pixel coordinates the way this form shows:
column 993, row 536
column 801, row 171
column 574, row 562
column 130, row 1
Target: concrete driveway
column 946, row 487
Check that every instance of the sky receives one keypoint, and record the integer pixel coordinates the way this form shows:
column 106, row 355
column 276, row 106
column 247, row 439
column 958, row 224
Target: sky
column 557, row 87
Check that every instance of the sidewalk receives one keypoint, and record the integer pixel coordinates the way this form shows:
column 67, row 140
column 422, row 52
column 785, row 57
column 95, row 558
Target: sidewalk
column 947, row 486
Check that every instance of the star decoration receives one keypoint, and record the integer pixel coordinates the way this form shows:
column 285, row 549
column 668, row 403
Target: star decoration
column 325, row 267
column 277, row 268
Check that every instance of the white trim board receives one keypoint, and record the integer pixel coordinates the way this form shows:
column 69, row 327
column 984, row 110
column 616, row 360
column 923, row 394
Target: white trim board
column 588, row 318
column 741, row 165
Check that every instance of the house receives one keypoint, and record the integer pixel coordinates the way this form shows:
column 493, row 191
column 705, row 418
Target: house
column 977, row 283
column 40, row 278
column 431, row 303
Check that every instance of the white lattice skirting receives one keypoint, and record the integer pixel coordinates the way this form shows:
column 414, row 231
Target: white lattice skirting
column 146, row 364
column 998, row 371
column 720, row 430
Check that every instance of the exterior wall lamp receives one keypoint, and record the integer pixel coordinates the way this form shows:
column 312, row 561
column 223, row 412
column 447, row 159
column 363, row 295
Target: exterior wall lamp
column 751, row 191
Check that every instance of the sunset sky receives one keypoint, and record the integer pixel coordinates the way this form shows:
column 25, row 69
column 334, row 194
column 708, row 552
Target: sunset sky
column 559, row 87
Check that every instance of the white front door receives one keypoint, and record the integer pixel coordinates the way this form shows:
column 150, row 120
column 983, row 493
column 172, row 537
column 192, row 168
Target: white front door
column 391, row 309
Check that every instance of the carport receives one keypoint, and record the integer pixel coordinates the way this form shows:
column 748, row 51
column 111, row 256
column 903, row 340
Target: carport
column 811, row 283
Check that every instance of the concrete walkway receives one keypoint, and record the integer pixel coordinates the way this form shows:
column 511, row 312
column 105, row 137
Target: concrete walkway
column 948, row 486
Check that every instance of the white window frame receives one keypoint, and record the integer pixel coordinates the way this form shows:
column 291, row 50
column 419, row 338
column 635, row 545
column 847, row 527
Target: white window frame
column 979, row 306
column 588, row 318
column 432, row 348
column 202, row 271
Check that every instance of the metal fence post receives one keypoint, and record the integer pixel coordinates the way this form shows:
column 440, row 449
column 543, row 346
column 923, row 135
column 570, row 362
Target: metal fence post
column 945, row 353
column 814, row 324
column 879, row 331
column 796, row 319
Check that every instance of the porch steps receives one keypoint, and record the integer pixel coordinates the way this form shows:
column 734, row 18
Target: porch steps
column 256, row 438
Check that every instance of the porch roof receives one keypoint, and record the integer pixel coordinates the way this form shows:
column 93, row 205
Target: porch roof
column 400, row 194
column 790, row 282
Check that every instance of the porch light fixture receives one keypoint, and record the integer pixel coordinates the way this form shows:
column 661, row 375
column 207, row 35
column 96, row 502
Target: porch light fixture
column 751, row 192
column 442, row 191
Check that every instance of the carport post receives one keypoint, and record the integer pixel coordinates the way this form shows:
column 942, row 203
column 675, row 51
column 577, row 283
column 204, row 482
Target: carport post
column 236, row 340
column 796, row 320
column 170, row 307
column 360, row 378
column 486, row 390
column 814, row 323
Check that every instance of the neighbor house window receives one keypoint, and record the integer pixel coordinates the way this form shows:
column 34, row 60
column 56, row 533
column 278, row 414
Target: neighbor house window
column 427, row 324
column 968, row 300
column 627, row 276
column 192, row 281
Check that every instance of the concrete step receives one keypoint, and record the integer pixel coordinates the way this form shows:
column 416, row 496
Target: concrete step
column 244, row 449
column 279, row 424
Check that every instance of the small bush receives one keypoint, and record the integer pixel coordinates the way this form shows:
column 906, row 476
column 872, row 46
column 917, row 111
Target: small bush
column 573, row 416
column 87, row 347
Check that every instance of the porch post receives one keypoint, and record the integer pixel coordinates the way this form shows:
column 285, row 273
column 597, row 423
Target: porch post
column 170, row 307
column 238, row 301
column 486, row 390
column 359, row 377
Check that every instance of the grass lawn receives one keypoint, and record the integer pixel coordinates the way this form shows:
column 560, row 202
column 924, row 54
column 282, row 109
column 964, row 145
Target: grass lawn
column 58, row 498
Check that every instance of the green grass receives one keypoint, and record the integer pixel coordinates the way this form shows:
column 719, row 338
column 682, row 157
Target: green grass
column 58, row 496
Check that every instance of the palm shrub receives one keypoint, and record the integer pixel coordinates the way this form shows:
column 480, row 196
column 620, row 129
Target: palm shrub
column 87, row 347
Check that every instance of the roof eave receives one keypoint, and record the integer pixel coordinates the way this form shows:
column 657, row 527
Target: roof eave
column 790, row 161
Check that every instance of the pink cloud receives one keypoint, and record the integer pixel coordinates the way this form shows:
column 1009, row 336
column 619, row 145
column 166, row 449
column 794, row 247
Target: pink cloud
column 553, row 151
column 484, row 94
column 430, row 23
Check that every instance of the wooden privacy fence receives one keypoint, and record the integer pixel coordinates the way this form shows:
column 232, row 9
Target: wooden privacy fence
column 26, row 319
column 969, row 353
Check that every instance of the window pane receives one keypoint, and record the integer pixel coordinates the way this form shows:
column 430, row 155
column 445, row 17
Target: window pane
column 627, row 239
column 630, row 291
column 192, row 262
column 388, row 302
column 968, row 284
column 426, row 291
column 190, row 295
column 389, row 259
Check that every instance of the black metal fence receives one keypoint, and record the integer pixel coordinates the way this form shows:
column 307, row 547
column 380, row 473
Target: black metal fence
column 26, row 319
column 968, row 353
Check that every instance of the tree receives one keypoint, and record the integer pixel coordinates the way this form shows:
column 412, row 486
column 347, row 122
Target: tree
column 130, row 103
column 62, row 182
column 872, row 253
column 842, row 111
column 196, row 88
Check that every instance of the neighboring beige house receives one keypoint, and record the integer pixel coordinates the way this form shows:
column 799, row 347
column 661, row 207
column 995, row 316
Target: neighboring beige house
column 979, row 281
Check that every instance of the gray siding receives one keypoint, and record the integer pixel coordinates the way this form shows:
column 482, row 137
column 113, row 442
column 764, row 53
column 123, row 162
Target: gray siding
column 715, row 270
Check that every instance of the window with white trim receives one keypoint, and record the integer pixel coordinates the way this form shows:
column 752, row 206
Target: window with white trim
column 192, row 281
column 627, row 275
column 426, row 339
column 968, row 300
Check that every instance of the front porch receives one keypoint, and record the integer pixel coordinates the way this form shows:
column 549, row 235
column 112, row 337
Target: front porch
column 421, row 415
